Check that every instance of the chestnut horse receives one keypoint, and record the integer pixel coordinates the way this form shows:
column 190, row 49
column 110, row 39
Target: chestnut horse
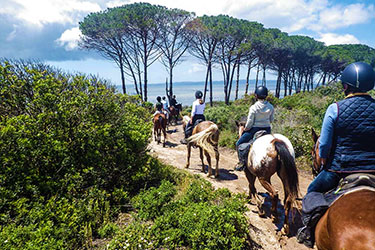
column 173, row 114
column 206, row 137
column 160, row 125
column 270, row 154
column 349, row 223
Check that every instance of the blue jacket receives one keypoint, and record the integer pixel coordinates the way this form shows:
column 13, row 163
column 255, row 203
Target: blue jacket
column 353, row 144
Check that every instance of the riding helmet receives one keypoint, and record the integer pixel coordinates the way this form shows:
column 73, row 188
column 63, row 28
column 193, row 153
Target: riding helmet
column 359, row 75
column 261, row 92
column 198, row 94
column 158, row 99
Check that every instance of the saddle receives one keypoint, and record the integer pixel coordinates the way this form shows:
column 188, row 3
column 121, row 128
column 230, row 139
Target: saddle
column 315, row 204
column 244, row 148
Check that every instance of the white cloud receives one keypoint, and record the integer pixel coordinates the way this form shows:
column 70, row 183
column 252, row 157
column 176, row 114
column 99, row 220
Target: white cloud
column 343, row 16
column 331, row 38
column 40, row 12
column 196, row 67
column 70, row 38
column 12, row 34
column 115, row 3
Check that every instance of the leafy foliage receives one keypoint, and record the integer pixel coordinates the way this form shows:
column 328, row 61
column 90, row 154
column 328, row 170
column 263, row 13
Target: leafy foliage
column 195, row 217
column 72, row 153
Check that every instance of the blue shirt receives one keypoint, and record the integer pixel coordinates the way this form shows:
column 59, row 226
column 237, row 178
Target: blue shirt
column 328, row 127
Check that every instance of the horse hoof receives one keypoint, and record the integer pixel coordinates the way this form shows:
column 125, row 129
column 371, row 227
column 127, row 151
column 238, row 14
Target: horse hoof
column 186, row 166
column 275, row 219
column 285, row 230
column 261, row 213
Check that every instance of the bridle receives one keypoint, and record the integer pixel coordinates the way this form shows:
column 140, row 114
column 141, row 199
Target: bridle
column 314, row 157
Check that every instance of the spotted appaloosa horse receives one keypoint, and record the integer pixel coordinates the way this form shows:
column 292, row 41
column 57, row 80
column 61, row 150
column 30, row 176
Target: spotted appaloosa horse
column 160, row 124
column 269, row 154
column 206, row 137
column 349, row 223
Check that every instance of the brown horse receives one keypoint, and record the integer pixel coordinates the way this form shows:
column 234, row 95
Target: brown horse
column 206, row 137
column 160, row 124
column 173, row 115
column 349, row 223
column 268, row 155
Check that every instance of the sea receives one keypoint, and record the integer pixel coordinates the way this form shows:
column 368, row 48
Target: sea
column 185, row 91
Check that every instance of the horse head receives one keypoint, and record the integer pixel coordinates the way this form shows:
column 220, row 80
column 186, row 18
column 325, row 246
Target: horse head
column 316, row 162
column 241, row 126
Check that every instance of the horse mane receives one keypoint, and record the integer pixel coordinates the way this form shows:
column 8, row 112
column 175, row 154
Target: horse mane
column 203, row 138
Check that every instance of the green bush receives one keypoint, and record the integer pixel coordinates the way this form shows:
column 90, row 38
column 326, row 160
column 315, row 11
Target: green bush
column 196, row 217
column 72, row 153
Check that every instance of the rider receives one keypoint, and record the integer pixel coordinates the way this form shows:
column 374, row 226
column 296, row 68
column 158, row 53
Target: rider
column 158, row 106
column 346, row 143
column 259, row 118
column 196, row 114
column 165, row 107
column 173, row 101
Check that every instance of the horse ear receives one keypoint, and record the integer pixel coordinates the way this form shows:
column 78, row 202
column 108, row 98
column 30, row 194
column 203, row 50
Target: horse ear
column 237, row 124
column 314, row 135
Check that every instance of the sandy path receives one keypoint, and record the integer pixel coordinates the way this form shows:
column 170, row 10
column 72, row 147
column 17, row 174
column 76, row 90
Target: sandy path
column 263, row 230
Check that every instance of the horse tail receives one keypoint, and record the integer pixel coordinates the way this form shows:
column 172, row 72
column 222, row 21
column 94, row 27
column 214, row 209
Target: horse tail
column 288, row 165
column 205, row 138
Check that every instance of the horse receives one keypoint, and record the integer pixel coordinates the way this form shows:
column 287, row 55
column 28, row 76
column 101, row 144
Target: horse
column 173, row 114
column 349, row 223
column 270, row 154
column 160, row 125
column 206, row 137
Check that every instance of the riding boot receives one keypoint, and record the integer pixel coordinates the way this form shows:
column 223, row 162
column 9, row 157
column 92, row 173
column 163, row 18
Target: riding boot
column 187, row 132
column 306, row 234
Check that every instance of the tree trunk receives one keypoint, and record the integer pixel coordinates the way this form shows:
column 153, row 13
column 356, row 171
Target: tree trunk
column 140, row 84
column 145, row 79
column 248, row 79
column 206, row 82
column 238, row 80
column 256, row 81
column 211, row 102
column 170, row 81
column 122, row 76
column 264, row 76
column 278, row 84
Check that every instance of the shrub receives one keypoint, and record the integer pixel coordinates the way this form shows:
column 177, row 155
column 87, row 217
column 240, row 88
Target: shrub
column 73, row 152
column 196, row 217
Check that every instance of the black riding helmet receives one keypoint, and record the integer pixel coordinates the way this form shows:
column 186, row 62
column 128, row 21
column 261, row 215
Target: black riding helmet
column 261, row 92
column 359, row 75
column 158, row 99
column 198, row 94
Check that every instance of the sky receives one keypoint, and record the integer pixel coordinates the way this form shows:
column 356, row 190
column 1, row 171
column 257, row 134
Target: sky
column 47, row 30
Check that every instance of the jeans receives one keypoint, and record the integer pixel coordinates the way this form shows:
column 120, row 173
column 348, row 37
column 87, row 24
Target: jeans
column 325, row 181
column 248, row 135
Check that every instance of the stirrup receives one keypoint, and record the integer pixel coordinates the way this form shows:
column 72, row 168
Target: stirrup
column 239, row 166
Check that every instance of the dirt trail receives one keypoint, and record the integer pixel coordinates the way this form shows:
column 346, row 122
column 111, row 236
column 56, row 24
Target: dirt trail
column 263, row 230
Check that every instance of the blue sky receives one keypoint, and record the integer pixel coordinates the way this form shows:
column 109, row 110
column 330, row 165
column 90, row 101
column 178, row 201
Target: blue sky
column 47, row 30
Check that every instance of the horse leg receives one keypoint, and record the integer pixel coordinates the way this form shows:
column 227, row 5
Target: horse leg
column 217, row 155
column 266, row 183
column 165, row 135
column 287, row 205
column 201, row 156
column 209, row 163
column 252, row 190
column 188, row 155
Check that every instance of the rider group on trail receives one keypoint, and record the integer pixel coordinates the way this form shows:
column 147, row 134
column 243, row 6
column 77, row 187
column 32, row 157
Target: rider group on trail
column 346, row 146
